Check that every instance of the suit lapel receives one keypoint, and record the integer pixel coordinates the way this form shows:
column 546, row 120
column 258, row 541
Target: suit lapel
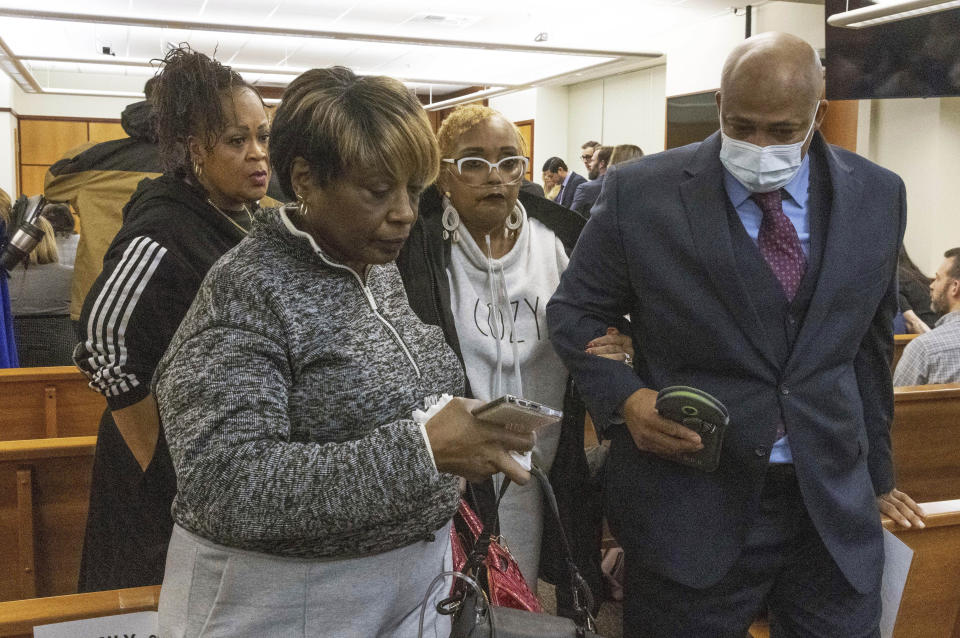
column 841, row 234
column 705, row 203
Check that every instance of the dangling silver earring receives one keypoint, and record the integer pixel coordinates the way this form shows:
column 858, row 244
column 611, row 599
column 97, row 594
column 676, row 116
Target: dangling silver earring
column 514, row 219
column 302, row 207
column 197, row 168
column 451, row 223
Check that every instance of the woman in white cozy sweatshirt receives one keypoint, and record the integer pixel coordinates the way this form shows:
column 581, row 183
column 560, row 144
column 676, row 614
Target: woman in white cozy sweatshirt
column 482, row 266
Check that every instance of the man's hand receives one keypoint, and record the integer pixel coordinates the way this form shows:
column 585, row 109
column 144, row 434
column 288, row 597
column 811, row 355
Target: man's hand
column 901, row 509
column 653, row 433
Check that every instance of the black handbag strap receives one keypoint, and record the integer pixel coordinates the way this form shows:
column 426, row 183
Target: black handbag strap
column 582, row 596
column 577, row 583
column 490, row 523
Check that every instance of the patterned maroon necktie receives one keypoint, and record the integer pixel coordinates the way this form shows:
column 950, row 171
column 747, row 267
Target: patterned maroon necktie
column 779, row 243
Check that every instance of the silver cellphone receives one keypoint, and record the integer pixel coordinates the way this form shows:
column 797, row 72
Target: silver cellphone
column 516, row 414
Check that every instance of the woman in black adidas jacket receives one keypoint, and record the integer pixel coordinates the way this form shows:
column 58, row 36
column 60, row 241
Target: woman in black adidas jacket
column 213, row 133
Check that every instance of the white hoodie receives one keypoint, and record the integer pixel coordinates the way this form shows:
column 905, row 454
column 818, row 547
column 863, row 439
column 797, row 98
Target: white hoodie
column 519, row 285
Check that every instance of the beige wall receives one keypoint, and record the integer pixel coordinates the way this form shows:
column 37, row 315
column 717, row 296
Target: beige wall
column 919, row 139
column 623, row 109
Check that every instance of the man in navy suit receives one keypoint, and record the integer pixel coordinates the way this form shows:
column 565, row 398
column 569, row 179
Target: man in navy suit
column 588, row 192
column 555, row 169
column 759, row 265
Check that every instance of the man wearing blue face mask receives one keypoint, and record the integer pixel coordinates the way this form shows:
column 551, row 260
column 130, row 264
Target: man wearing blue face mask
column 759, row 266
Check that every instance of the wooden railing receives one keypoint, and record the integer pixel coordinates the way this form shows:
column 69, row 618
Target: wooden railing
column 47, row 402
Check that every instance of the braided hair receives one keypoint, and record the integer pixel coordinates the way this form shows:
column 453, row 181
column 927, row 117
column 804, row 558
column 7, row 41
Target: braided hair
column 187, row 98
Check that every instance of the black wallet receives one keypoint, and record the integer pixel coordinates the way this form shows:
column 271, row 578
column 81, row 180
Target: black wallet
column 701, row 412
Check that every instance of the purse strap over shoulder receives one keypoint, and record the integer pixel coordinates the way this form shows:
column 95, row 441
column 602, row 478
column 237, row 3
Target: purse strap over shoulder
column 582, row 596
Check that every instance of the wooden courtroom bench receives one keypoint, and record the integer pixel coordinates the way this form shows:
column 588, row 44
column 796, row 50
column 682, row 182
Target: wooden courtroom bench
column 930, row 606
column 899, row 343
column 19, row 617
column 47, row 402
column 926, row 441
column 44, row 491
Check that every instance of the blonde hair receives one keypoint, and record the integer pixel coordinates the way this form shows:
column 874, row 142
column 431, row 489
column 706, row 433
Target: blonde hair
column 46, row 250
column 465, row 118
column 5, row 206
column 336, row 120
column 624, row 153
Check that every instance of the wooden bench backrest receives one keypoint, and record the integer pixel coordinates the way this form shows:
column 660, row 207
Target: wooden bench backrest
column 931, row 599
column 47, row 402
column 926, row 441
column 19, row 617
column 44, row 492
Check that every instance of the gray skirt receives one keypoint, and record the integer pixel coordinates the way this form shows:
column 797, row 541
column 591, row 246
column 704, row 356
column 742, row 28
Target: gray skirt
column 210, row 590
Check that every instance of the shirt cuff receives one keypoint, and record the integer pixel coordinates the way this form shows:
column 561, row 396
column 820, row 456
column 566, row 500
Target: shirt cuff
column 426, row 441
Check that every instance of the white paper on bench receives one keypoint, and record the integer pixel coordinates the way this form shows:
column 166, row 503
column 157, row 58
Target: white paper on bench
column 896, row 566
column 139, row 625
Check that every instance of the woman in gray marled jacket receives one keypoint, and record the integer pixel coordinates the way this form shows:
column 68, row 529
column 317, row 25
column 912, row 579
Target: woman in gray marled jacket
column 309, row 502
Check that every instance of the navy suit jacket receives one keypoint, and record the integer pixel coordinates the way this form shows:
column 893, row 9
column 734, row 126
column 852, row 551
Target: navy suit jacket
column 659, row 247
column 570, row 189
column 586, row 195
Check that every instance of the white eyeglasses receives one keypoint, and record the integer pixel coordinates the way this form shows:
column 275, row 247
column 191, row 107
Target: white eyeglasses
column 475, row 171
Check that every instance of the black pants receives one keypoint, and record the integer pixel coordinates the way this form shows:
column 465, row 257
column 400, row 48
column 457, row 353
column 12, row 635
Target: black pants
column 129, row 522
column 784, row 564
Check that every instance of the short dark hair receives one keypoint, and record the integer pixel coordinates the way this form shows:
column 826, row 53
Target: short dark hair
column 591, row 144
column 954, row 254
column 187, row 98
column 553, row 165
column 604, row 153
column 336, row 120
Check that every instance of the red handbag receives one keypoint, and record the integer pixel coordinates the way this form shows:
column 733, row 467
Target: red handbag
column 498, row 572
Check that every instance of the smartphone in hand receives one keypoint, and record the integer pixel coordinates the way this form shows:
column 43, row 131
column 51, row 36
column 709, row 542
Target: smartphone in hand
column 516, row 414
column 701, row 412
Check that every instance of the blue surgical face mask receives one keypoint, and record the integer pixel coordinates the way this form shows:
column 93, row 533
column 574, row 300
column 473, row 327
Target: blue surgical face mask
column 762, row 169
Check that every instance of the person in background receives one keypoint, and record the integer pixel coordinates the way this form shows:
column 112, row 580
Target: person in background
column 736, row 285
column 624, row 153
column 587, row 151
column 213, row 132
column 934, row 356
column 914, row 286
column 588, row 192
column 550, row 186
column 310, row 502
column 481, row 261
column 568, row 181
column 8, row 343
column 40, row 294
column 97, row 181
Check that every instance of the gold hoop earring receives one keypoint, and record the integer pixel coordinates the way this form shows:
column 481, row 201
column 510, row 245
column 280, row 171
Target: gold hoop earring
column 197, row 168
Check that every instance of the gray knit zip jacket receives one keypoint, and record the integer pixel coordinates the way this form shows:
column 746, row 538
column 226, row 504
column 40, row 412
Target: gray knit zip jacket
column 286, row 399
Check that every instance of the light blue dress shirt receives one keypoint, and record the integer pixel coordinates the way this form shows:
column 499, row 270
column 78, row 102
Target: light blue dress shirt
column 796, row 210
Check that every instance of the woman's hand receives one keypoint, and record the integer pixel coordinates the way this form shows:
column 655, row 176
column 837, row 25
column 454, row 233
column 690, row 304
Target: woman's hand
column 613, row 345
column 465, row 446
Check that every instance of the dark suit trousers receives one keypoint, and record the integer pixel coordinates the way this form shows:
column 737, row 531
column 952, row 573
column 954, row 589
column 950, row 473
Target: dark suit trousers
column 784, row 563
